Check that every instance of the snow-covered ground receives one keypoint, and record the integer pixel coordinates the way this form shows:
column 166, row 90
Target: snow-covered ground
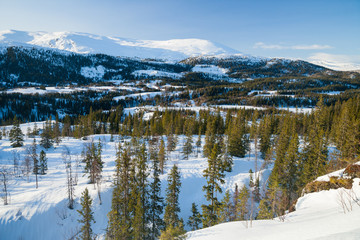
column 42, row 213
column 325, row 215
column 156, row 73
column 210, row 69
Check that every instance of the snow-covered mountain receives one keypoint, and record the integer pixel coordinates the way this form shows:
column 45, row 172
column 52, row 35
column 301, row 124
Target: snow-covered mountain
column 175, row 49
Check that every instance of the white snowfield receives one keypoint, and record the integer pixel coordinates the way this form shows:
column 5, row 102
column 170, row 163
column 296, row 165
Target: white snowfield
column 85, row 43
column 42, row 213
column 325, row 215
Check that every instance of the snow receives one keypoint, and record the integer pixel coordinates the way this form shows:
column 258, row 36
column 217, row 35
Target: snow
column 156, row 73
column 318, row 216
column 93, row 72
column 42, row 213
column 143, row 95
column 68, row 90
column 210, row 69
column 85, row 43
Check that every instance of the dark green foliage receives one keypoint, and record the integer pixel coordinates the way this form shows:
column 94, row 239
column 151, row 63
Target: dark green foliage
column 92, row 159
column 156, row 201
column 172, row 208
column 119, row 224
column 87, row 216
column 16, row 136
column 43, row 162
column 47, row 139
column 194, row 221
column 238, row 140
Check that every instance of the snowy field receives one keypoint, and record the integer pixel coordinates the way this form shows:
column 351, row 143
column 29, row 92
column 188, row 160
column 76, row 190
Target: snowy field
column 325, row 215
column 42, row 213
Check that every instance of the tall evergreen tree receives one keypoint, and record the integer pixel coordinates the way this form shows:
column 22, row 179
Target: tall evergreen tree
column 87, row 216
column 214, row 175
column 243, row 203
column 34, row 157
column 16, row 136
column 156, row 201
column 194, row 221
column 173, row 224
column 119, row 224
column 188, row 145
column 43, row 162
column 162, row 155
column 238, row 139
column 92, row 159
column 47, row 140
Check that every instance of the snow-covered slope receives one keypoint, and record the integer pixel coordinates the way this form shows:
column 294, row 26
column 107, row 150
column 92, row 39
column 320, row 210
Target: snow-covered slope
column 42, row 213
column 175, row 49
column 329, row 215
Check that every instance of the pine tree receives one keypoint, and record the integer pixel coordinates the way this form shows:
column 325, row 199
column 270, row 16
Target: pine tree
column 225, row 210
column 265, row 136
column 47, row 140
column 119, row 216
column 141, row 195
column 43, row 162
column 214, row 176
column 238, row 139
column 56, row 131
column 172, row 209
column 188, row 145
column 16, row 136
column 161, row 155
column 87, row 216
column 243, row 203
column 92, row 159
column 156, row 201
column 194, row 221
column 34, row 157
column 198, row 142
column 265, row 211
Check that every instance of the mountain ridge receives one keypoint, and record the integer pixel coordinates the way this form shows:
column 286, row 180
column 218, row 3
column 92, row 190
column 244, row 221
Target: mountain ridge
column 84, row 43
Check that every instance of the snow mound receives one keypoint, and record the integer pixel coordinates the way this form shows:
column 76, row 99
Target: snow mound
column 332, row 214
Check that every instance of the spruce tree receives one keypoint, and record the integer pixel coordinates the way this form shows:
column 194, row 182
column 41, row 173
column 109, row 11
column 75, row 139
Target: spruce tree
column 161, row 155
column 194, row 221
column 92, row 159
column 225, row 210
column 238, row 139
column 265, row 211
column 16, row 136
column 47, row 140
column 214, row 176
column 43, row 162
column 156, row 201
column 141, row 216
column 87, row 216
column 243, row 203
column 119, row 224
column 173, row 224
column 34, row 157
column 188, row 145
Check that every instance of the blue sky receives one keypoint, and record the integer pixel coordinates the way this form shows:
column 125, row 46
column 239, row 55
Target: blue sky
column 273, row 28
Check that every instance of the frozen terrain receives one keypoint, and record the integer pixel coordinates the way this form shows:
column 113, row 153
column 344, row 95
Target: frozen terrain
column 324, row 215
column 42, row 213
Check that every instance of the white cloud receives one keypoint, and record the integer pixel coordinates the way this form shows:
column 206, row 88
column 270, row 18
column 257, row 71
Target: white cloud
column 293, row 47
column 336, row 61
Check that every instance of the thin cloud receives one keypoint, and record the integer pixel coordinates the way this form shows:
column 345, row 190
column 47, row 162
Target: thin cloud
column 336, row 61
column 293, row 47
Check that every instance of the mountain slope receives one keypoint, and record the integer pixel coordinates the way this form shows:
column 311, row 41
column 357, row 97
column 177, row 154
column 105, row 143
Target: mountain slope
column 85, row 43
